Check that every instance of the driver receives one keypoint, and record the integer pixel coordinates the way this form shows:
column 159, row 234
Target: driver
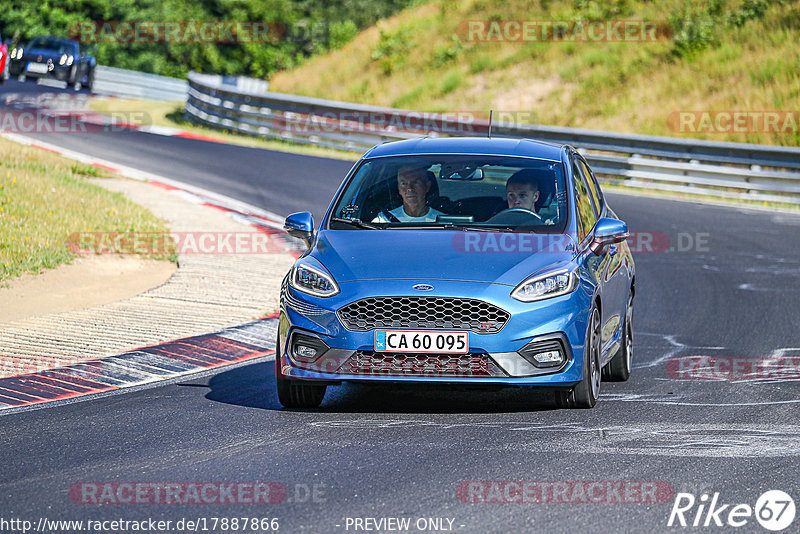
column 413, row 183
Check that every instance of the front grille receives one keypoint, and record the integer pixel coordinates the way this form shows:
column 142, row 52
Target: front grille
column 423, row 312
column 432, row 365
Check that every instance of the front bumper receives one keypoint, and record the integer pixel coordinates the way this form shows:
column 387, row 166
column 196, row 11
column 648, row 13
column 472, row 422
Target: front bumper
column 58, row 72
column 493, row 359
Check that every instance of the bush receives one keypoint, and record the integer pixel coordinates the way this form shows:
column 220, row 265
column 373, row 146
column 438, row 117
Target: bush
column 694, row 29
column 312, row 27
column 392, row 49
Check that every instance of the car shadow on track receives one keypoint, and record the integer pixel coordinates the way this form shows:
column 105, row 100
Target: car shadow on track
column 253, row 386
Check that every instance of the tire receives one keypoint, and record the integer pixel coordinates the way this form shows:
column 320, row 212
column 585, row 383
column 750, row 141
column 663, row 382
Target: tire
column 619, row 368
column 90, row 81
column 293, row 393
column 587, row 391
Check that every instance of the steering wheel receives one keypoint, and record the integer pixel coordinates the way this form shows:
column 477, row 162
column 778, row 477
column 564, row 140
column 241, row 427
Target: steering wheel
column 515, row 216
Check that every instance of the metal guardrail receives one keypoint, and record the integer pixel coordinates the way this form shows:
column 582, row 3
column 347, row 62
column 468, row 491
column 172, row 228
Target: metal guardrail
column 732, row 170
column 132, row 84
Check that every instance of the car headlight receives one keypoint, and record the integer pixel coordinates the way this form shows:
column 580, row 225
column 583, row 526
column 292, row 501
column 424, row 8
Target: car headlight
column 70, row 59
column 62, row 59
column 14, row 54
column 545, row 286
column 313, row 279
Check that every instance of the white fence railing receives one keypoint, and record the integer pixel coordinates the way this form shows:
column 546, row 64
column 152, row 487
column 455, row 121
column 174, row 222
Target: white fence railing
column 734, row 170
column 132, row 84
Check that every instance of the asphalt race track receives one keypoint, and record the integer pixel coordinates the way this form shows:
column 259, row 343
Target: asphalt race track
column 722, row 283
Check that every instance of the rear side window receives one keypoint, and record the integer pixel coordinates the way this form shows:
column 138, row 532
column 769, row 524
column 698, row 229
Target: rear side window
column 587, row 216
column 594, row 189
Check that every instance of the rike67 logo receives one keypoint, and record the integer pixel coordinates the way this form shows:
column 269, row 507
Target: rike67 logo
column 774, row 510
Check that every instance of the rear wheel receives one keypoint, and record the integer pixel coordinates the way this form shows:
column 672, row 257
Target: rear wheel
column 619, row 368
column 293, row 393
column 586, row 392
column 90, row 81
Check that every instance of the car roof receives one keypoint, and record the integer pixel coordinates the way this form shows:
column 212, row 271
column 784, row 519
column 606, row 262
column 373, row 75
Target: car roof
column 495, row 146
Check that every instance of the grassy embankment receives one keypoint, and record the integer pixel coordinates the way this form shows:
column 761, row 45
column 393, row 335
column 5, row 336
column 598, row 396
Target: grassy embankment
column 723, row 55
column 45, row 198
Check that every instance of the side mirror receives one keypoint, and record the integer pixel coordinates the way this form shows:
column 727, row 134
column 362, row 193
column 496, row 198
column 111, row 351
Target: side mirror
column 301, row 226
column 607, row 232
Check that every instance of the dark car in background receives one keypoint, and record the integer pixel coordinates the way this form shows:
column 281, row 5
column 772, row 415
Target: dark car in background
column 3, row 60
column 54, row 58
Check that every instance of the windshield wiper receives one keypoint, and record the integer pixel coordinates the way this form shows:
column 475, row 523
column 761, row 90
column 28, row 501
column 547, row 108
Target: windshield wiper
column 451, row 226
column 478, row 228
column 358, row 223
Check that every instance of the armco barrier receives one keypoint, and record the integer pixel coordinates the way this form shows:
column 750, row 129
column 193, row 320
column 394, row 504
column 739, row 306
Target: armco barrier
column 132, row 84
column 734, row 170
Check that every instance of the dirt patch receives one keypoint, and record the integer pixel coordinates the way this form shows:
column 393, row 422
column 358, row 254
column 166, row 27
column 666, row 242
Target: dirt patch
column 88, row 281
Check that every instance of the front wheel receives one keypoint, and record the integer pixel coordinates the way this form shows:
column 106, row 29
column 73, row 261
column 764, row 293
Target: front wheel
column 587, row 391
column 293, row 393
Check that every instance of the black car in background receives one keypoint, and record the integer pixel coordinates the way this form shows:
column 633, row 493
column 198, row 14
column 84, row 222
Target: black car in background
column 55, row 58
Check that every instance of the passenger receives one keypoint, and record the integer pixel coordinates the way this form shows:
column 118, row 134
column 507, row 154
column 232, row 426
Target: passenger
column 522, row 190
column 413, row 183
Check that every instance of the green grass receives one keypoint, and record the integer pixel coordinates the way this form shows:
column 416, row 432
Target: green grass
column 723, row 55
column 45, row 198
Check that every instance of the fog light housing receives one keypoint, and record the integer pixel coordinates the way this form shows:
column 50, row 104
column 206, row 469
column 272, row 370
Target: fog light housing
column 304, row 352
column 548, row 357
column 544, row 353
column 305, row 348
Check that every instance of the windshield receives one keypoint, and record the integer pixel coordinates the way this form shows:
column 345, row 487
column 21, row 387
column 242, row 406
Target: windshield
column 60, row 47
column 464, row 191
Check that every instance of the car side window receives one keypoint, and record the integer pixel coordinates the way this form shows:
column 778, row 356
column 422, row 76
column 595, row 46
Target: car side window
column 594, row 189
column 587, row 216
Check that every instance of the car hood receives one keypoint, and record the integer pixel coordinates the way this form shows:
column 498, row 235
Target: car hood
column 490, row 257
column 46, row 54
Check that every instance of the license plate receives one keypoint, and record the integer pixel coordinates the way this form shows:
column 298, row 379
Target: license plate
column 40, row 68
column 421, row 341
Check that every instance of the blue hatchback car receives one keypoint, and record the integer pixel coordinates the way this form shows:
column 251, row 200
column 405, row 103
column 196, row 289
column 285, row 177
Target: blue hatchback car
column 480, row 261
